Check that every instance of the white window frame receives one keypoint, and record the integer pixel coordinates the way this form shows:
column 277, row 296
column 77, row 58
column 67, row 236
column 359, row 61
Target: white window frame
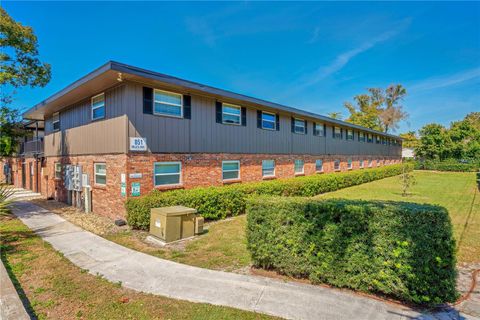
column 180, row 181
column 361, row 164
column 339, row 165
column 274, row 121
column 349, row 164
column 168, row 103
column 348, row 136
column 268, row 175
column 370, row 163
column 339, row 133
column 295, row 126
column 232, row 114
column 295, row 166
column 231, row 161
column 56, row 115
column 361, row 136
column 322, row 129
column 95, row 173
column 370, row 138
column 92, row 108
column 316, row 167
column 58, row 171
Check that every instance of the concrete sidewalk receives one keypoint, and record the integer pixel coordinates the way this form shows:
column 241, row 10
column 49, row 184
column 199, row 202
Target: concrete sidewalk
column 146, row 273
column 11, row 307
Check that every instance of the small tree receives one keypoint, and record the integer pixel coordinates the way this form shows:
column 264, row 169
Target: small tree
column 407, row 179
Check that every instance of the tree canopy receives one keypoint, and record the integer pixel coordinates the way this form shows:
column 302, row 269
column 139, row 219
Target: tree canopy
column 378, row 109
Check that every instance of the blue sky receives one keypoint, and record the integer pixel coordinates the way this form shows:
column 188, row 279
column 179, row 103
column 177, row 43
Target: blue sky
column 313, row 56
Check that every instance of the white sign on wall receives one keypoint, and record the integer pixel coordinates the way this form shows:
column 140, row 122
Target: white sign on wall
column 138, row 144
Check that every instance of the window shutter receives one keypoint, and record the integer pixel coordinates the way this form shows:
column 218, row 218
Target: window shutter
column 305, row 122
column 259, row 119
column 218, row 111
column 293, row 124
column 147, row 100
column 333, row 132
column 341, row 133
column 324, row 130
column 244, row 116
column 277, row 122
column 187, row 107
column 314, row 127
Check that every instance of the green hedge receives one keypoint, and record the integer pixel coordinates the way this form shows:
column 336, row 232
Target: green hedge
column 403, row 250
column 219, row 202
column 447, row 165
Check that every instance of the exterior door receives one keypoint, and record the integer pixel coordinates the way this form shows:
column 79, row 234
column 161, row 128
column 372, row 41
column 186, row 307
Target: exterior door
column 31, row 175
column 24, row 175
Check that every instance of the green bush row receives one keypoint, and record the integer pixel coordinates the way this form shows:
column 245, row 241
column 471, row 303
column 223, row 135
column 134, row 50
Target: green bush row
column 447, row 165
column 403, row 250
column 219, row 202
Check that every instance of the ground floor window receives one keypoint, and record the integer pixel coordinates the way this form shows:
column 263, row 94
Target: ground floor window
column 101, row 174
column 370, row 163
column 361, row 164
column 268, row 168
column 319, row 165
column 349, row 163
column 298, row 166
column 336, row 165
column 231, row 170
column 167, row 173
column 58, row 170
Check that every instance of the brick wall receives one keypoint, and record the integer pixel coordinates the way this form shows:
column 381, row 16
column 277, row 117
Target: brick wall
column 197, row 170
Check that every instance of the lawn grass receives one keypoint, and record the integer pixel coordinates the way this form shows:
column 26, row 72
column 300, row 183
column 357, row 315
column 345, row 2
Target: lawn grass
column 223, row 247
column 56, row 289
column 455, row 191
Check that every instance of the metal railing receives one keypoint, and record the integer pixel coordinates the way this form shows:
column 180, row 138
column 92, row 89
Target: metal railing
column 32, row 147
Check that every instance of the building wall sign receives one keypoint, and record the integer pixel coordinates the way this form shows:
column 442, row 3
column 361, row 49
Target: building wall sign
column 135, row 176
column 135, row 189
column 138, row 144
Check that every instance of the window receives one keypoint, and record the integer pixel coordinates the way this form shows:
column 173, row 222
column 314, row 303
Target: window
column 370, row 138
column 336, row 165
column 337, row 133
column 299, row 126
column 167, row 103
column 378, row 163
column 167, row 173
column 318, row 129
column 319, row 165
column 56, row 121
column 349, row 163
column 349, row 134
column 298, row 166
column 231, row 114
column 58, row 170
column 361, row 165
column 370, row 163
column 269, row 121
column 268, row 168
column 98, row 107
column 101, row 173
column 377, row 139
column 230, row 170
column 361, row 136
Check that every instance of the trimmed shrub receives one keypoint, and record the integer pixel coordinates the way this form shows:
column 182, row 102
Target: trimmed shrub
column 403, row 250
column 219, row 202
column 447, row 165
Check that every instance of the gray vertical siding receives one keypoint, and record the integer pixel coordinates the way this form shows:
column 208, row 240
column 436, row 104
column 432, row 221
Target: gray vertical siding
column 202, row 134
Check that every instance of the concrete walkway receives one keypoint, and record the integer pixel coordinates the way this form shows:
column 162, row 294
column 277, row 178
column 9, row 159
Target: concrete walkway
column 11, row 307
column 146, row 273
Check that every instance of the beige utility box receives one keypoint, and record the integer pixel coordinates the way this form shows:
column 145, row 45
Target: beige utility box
column 172, row 223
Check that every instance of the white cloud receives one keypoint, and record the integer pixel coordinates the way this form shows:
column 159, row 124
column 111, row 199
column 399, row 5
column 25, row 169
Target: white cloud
column 445, row 81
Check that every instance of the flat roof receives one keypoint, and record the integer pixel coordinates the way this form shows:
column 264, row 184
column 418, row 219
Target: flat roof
column 108, row 75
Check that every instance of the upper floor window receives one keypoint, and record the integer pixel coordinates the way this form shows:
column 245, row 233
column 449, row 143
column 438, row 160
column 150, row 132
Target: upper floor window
column 167, row 103
column 377, row 139
column 269, row 121
column 298, row 166
column 231, row 170
column 337, row 133
column 56, row 121
column 319, row 129
column 319, row 165
column 349, row 134
column 361, row 136
column 268, row 168
column 370, row 138
column 98, row 107
column 100, row 174
column 299, row 126
column 167, row 173
column 231, row 114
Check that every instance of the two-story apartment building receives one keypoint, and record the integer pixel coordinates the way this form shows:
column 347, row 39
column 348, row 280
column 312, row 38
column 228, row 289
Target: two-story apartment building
column 133, row 130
